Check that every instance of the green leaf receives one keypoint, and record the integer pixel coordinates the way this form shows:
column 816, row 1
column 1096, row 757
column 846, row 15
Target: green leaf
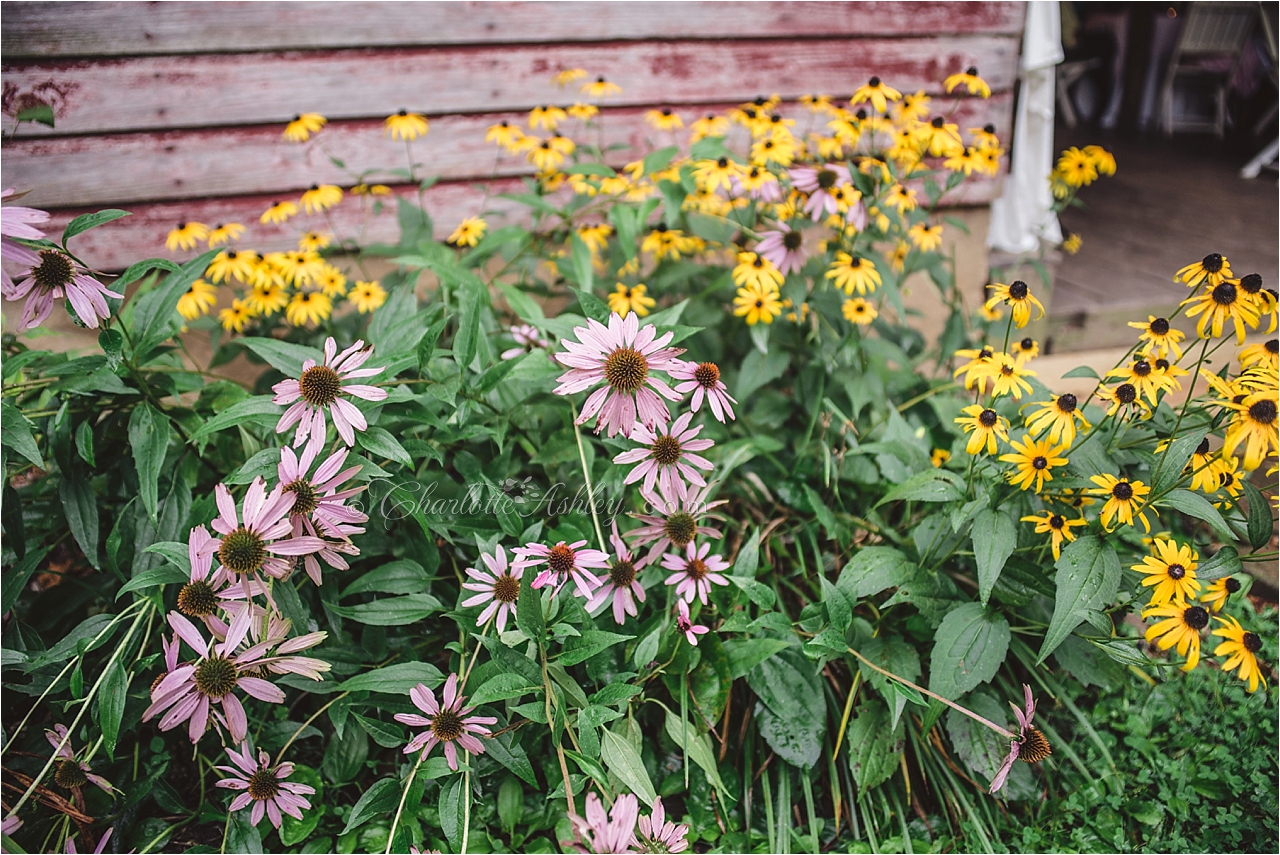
column 391, row 611
column 84, row 442
column 174, row 552
column 379, row 800
column 994, row 537
column 760, row 594
column 969, row 647
column 395, row 679
column 522, row 304
column 748, row 560
column 1259, row 520
column 624, row 761
column 932, row 485
column 872, row 570
column 241, row 835
column 427, row 344
column 838, row 606
column 590, row 643
column 155, row 314
column 592, row 306
column 1082, row 371
column 507, row 751
column 510, row 804
column 1199, row 507
column 1087, row 578
column 451, row 810
column 1225, row 562
column 758, row 369
column 979, row 747
column 81, row 508
column 698, row 747
column 529, row 616
column 745, row 654
column 14, row 579
column 236, row 414
column 501, row 687
column 379, row 442
column 874, row 745
column 84, row 222
column 42, row 113
column 398, row 577
column 15, row 432
column 467, row 338
column 111, row 700
column 284, row 356
column 386, row 735
column 87, row 630
column 793, row 717
column 897, row 657
column 148, row 439
column 656, row 161
column 159, row 576
column 1175, row 458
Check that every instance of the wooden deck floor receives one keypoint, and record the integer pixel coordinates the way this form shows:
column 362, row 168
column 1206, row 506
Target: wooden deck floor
column 1170, row 203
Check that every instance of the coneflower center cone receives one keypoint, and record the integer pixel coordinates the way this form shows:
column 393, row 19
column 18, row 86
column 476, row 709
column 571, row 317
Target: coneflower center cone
column 626, row 369
column 320, row 385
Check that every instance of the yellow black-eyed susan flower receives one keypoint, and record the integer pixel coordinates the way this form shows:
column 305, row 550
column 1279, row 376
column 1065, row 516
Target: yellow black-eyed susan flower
column 186, row 235
column 978, row 367
column 1057, row 526
column 817, row 103
column 1123, row 398
column 542, row 155
column 630, row 298
column 1264, row 355
column 1180, row 628
column 877, row 92
column 1019, row 298
column 1008, row 377
column 1219, row 304
column 927, row 238
column 1201, row 467
column 224, row 233
column 236, row 316
column 266, row 298
column 665, row 119
column 756, row 270
column 970, row 80
column 709, row 125
column 858, row 311
column 902, row 198
column 1072, row 243
column 468, row 232
column 664, row 242
column 984, row 425
column 984, row 137
column 565, row 76
column 1170, row 572
column 913, row 108
column 302, row 126
column 758, row 304
column 371, row 190
column 583, row 112
column 1216, row 593
column 599, row 88
column 504, row 134
column 964, row 159
column 403, row 125
column 1025, row 350
column 1159, row 338
column 314, row 241
column 1103, row 160
column 1123, row 498
column 939, row 457
column 714, row 174
column 1255, row 425
column 367, row 296
column 321, row 197
column 1241, row 649
column 547, row 116
column 1214, row 268
column 198, row 300
column 230, row 264
column 1033, row 462
column 308, row 307
column 854, row 273
column 897, row 257
column 1142, row 375
column 1059, row 418
column 332, row 282
column 1076, row 168
column 940, row 137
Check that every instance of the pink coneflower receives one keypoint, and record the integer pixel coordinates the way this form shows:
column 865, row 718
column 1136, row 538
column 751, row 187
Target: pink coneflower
column 1030, row 744
column 622, row 583
column 207, row 591
column 52, row 275
column 667, row 456
column 564, row 562
column 319, row 508
column 784, row 247
column 69, row 772
column 191, row 690
column 446, row 723
column 695, row 572
column 686, row 625
column 675, row 521
column 97, row 850
column 498, row 586
column 321, row 388
column 703, row 380
column 606, row 833
column 16, row 222
column 623, row 357
column 528, row 338
column 264, row 787
column 257, row 544
column 10, row 824
column 817, row 182
column 658, row 835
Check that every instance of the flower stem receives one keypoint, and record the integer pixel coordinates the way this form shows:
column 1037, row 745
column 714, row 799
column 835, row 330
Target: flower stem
column 466, row 809
column 586, row 474
column 408, row 784
column 973, row 715
column 303, row 726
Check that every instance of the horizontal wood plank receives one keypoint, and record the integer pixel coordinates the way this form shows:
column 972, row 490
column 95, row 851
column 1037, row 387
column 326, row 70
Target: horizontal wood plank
column 163, row 93
column 131, row 29
column 128, row 168
column 141, row 235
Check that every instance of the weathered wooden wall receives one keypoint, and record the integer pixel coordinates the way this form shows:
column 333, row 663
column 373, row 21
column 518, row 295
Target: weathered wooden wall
column 174, row 110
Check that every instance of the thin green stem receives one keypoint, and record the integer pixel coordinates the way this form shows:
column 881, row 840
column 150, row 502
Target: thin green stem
column 404, row 794
column 586, row 474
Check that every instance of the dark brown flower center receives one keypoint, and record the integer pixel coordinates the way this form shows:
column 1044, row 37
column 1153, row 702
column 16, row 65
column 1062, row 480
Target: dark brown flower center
column 758, row 263
column 1203, row 447
column 988, row 129
column 972, row 71
column 1039, row 462
column 70, row 775
column 723, row 163
column 560, row 559
column 1176, row 571
column 1142, row 368
column 1251, row 642
column 988, row 418
column 622, row 573
column 1027, row 343
column 1019, row 290
column 215, row 677
column 1272, row 346
column 1123, row 491
column 665, row 450
column 506, row 589
column 447, row 725
column 1160, row 326
column 792, row 240
column 1227, row 479
column 53, row 271
column 1067, row 403
column 196, row 599
column 305, row 497
column 1212, row 262
column 1224, row 294
column 1126, row 394
column 707, row 375
column 1232, row 584
column 938, row 121
column 680, row 528
column 626, row 369
column 1034, row 747
column 1263, row 412
column 855, row 262
column 263, row 785
column 242, row 551
column 320, row 385
column 873, row 82
column 697, row 568
column 827, row 178
column 1057, row 521
column 1196, row 617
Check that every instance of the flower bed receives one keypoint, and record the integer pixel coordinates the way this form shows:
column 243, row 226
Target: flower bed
column 650, row 511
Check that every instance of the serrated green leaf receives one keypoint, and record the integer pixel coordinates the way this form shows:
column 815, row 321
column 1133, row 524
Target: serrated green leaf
column 84, row 222
column 994, row 538
column 148, row 440
column 624, row 761
column 1087, row 578
column 969, row 647
column 1199, row 507
column 933, row 485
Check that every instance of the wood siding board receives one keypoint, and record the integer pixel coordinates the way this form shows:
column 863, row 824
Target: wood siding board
column 127, row 29
column 143, row 167
column 162, row 93
column 120, row 243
